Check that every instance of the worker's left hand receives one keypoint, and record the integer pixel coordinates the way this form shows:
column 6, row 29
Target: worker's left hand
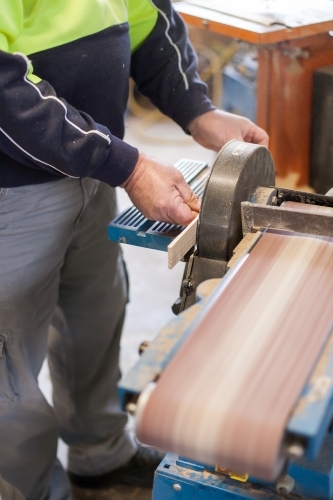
column 215, row 128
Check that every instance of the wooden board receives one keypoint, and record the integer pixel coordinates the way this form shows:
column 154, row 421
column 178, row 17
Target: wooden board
column 248, row 31
column 182, row 243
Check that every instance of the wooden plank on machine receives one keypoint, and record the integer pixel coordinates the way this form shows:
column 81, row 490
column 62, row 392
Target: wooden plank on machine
column 182, row 243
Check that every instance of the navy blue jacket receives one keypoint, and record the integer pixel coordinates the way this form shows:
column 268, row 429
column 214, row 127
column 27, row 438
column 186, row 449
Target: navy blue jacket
column 71, row 121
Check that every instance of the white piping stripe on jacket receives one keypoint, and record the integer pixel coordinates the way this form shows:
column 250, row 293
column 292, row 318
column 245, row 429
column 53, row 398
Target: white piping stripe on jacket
column 107, row 138
column 33, row 157
column 173, row 44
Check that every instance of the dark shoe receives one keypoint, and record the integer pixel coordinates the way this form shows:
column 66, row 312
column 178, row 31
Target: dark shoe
column 116, row 492
column 139, row 471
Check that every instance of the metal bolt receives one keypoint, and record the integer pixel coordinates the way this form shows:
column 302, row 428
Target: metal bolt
column 296, row 450
column 187, row 284
column 177, row 487
column 285, row 485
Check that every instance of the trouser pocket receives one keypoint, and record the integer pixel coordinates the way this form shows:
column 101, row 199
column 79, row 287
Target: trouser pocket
column 3, row 192
column 7, row 382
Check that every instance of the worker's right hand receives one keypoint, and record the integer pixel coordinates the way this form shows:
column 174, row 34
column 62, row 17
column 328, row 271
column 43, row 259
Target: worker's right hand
column 160, row 192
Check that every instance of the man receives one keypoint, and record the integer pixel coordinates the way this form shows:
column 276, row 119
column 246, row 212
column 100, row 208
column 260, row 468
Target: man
column 61, row 154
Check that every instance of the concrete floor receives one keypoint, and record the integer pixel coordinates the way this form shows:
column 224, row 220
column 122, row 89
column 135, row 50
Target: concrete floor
column 153, row 287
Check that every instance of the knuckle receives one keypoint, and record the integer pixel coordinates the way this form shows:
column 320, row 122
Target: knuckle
column 178, row 176
column 160, row 205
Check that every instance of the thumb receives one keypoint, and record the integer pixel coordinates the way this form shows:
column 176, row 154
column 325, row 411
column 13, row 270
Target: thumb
column 182, row 214
column 188, row 197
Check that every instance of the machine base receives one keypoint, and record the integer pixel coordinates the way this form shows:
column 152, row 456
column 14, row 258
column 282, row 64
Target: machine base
column 174, row 482
column 177, row 480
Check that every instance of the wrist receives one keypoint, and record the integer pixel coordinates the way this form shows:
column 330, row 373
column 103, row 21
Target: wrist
column 137, row 172
column 197, row 123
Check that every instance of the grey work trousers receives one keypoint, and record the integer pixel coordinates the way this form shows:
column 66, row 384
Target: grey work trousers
column 57, row 266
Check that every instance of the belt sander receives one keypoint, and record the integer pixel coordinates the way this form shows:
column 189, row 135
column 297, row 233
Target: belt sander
column 238, row 387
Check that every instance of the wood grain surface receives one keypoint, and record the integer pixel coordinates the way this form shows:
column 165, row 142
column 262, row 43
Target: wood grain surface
column 182, row 243
column 226, row 396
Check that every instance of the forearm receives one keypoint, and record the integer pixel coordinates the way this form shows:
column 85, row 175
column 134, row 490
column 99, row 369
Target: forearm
column 39, row 129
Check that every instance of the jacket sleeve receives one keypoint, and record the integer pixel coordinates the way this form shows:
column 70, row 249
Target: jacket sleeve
column 40, row 130
column 164, row 68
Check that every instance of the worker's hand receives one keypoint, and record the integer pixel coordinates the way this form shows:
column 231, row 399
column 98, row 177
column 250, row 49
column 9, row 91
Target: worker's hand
column 160, row 192
column 215, row 128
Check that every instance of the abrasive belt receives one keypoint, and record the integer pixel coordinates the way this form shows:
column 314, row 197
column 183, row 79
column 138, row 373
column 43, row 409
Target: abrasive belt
column 307, row 207
column 226, row 395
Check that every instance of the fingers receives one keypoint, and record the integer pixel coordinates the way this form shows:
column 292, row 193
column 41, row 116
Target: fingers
column 215, row 128
column 181, row 206
column 187, row 204
column 182, row 214
column 257, row 135
column 187, row 195
column 194, row 203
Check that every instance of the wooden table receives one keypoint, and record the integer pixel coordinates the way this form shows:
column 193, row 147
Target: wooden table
column 287, row 59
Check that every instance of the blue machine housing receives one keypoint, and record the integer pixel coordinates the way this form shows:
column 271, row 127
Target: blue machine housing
column 180, row 479
column 309, row 424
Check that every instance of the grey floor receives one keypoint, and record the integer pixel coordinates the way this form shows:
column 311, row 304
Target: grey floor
column 153, row 287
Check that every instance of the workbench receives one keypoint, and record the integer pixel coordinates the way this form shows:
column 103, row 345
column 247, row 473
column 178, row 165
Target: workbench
column 287, row 58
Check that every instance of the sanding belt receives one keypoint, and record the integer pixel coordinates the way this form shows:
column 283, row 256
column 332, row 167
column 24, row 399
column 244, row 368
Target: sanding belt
column 226, row 395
